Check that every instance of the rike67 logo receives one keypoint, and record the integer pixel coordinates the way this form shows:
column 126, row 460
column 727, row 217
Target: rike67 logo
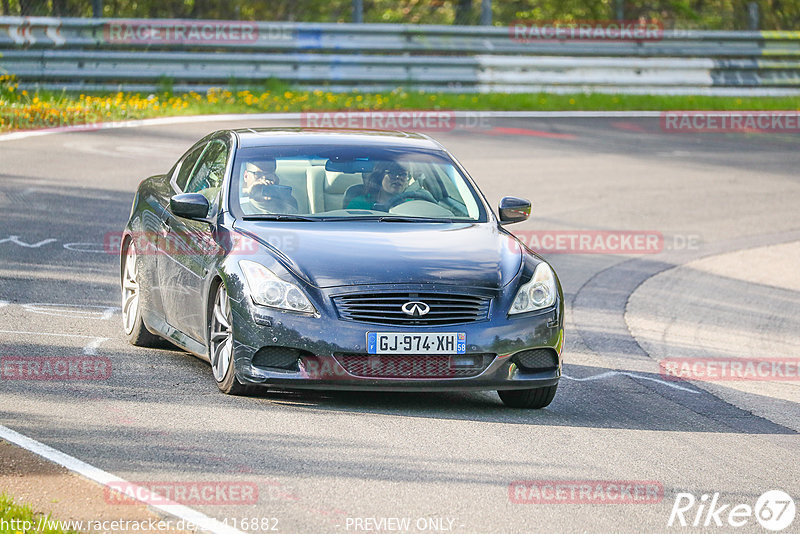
column 774, row 510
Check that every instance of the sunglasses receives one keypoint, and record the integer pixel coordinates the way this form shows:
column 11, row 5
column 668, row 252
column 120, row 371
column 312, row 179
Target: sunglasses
column 399, row 175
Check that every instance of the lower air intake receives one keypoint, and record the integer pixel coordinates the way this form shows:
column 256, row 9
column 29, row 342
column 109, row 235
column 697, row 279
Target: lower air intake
column 283, row 358
column 537, row 359
column 415, row 366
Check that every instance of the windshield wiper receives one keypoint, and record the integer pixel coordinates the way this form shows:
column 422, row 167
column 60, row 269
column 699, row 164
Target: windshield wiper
column 279, row 217
column 393, row 218
column 379, row 218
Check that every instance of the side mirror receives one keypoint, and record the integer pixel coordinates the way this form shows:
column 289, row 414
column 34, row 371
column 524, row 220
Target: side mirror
column 189, row 206
column 513, row 209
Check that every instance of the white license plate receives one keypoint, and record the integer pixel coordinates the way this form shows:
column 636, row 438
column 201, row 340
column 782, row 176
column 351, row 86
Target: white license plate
column 399, row 343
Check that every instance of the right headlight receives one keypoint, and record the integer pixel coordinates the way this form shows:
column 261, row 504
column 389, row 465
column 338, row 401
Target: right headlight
column 538, row 293
column 267, row 289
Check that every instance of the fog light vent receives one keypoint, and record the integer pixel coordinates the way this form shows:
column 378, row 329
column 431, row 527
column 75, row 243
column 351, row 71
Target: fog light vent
column 284, row 358
column 537, row 359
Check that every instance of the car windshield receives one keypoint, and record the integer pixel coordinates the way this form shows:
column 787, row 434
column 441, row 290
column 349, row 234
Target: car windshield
column 346, row 182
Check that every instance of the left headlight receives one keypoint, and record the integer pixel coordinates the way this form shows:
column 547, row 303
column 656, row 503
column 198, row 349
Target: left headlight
column 538, row 293
column 267, row 289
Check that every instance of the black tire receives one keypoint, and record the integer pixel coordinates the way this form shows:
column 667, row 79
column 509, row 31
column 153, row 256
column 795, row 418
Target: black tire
column 528, row 398
column 132, row 324
column 222, row 367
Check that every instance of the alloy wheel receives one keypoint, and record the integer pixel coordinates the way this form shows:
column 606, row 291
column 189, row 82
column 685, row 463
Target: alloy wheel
column 221, row 334
column 130, row 291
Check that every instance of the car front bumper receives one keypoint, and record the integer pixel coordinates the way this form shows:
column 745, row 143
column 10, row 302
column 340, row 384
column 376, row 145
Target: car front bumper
column 321, row 342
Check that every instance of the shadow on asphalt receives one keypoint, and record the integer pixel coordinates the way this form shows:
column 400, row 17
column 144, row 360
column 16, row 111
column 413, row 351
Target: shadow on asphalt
column 616, row 401
column 173, row 378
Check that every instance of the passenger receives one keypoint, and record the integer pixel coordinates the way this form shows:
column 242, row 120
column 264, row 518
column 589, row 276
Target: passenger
column 382, row 185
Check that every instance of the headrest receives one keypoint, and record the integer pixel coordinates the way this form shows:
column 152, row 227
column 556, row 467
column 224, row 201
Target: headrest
column 336, row 183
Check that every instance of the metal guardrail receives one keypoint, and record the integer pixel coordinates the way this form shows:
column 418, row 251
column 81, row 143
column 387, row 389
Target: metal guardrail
column 90, row 54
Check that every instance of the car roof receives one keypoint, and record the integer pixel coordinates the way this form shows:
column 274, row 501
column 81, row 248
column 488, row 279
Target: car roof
column 257, row 137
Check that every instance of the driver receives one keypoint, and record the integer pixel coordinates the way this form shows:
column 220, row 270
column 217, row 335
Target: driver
column 386, row 183
column 259, row 172
column 261, row 184
column 272, row 199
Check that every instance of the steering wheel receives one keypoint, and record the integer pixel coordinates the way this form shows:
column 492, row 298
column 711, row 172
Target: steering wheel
column 419, row 194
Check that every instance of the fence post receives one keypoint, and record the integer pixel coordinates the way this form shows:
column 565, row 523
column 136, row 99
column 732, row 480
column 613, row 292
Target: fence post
column 620, row 9
column 753, row 16
column 358, row 11
column 486, row 12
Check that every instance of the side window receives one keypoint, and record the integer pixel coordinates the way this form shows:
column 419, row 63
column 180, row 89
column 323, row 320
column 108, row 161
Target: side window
column 209, row 170
column 186, row 167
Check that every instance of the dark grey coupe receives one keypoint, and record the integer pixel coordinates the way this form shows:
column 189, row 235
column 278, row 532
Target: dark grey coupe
column 355, row 260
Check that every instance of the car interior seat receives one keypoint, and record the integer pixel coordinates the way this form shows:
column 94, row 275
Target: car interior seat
column 335, row 188
column 293, row 174
column 352, row 192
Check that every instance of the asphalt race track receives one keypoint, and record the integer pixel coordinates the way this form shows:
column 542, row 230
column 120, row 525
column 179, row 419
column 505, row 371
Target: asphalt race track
column 725, row 284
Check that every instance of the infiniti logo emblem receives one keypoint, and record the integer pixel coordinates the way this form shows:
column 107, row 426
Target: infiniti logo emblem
column 416, row 308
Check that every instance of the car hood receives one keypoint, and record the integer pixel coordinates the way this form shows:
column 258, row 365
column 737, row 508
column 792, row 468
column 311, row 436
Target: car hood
column 330, row 254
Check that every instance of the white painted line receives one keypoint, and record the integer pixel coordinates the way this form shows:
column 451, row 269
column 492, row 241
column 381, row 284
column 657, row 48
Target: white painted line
column 561, row 114
column 17, row 241
column 105, row 478
column 82, row 311
column 150, row 122
column 631, row 375
column 90, row 349
column 45, row 334
column 94, row 248
column 296, row 117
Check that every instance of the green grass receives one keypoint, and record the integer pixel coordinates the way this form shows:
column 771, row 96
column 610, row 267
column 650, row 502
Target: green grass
column 24, row 520
column 22, row 110
column 499, row 102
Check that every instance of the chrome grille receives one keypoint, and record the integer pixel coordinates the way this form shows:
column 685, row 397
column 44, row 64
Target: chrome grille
column 415, row 365
column 385, row 308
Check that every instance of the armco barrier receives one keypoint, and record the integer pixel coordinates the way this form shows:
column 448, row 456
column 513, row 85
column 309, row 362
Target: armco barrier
column 94, row 54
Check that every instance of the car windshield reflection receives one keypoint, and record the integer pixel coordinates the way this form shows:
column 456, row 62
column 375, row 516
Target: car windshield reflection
column 347, row 183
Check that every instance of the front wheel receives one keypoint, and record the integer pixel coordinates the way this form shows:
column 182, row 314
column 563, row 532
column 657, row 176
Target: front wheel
column 220, row 344
column 135, row 329
column 528, row 398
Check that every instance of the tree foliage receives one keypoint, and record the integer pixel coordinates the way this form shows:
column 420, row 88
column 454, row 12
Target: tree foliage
column 699, row 14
